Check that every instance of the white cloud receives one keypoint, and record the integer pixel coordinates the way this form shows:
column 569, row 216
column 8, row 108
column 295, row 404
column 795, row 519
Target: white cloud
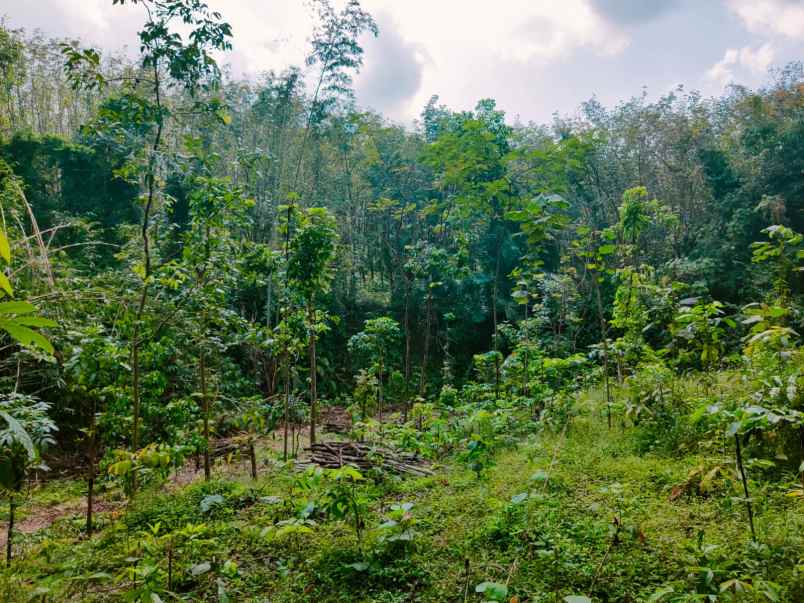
column 532, row 55
column 779, row 17
column 465, row 44
column 754, row 61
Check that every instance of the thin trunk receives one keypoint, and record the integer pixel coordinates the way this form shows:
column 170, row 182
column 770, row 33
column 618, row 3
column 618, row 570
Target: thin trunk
column 379, row 390
column 252, row 455
column 170, row 566
column 135, row 367
column 12, row 506
column 205, row 405
column 745, row 487
column 313, row 376
column 136, row 339
column 91, row 471
column 269, row 299
column 494, row 290
column 604, row 333
column 426, row 351
column 406, row 324
column 287, row 407
column 526, row 361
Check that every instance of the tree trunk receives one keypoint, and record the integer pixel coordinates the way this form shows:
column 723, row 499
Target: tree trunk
column 604, row 334
column 12, row 506
column 426, row 351
column 406, row 324
column 745, row 486
column 494, row 291
column 313, row 375
column 379, row 390
column 252, row 455
column 205, row 406
column 135, row 379
column 91, row 471
column 287, row 407
column 526, row 359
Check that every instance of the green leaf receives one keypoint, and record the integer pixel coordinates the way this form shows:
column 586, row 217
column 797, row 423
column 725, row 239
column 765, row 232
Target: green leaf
column 26, row 337
column 577, row 599
column 35, row 321
column 492, row 590
column 360, row 566
column 212, row 500
column 5, row 284
column 5, row 249
column 200, row 568
column 607, row 249
column 734, row 428
column 660, row 594
column 17, row 307
column 20, row 435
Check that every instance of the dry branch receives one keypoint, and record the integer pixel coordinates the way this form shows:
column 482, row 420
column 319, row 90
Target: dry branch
column 333, row 455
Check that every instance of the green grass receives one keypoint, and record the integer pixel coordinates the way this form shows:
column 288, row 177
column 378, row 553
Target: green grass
column 602, row 524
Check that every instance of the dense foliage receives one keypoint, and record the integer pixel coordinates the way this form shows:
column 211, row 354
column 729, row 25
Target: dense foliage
column 190, row 259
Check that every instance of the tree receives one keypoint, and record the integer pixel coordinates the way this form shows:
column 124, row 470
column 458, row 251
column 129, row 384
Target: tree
column 309, row 269
column 468, row 158
column 92, row 369
column 189, row 65
column 335, row 49
column 27, row 431
column 376, row 339
column 594, row 249
column 216, row 213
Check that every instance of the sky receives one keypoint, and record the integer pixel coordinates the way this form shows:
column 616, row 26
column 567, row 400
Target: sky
column 535, row 57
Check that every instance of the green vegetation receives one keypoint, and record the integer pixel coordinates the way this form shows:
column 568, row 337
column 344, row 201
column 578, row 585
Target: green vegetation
column 571, row 354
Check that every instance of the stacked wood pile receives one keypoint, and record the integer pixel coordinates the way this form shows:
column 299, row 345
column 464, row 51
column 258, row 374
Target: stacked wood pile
column 224, row 447
column 336, row 419
column 333, row 455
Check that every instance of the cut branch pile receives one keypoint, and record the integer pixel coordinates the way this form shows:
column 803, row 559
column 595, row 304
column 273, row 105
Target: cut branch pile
column 333, row 455
column 336, row 420
column 225, row 447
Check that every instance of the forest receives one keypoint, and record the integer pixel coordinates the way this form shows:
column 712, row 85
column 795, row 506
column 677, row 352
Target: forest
column 260, row 344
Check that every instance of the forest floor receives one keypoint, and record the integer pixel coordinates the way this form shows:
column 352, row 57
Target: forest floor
column 578, row 512
column 51, row 500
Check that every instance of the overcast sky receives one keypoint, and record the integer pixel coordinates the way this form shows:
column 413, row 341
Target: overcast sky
column 534, row 57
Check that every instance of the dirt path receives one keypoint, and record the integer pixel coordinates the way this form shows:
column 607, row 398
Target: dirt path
column 39, row 517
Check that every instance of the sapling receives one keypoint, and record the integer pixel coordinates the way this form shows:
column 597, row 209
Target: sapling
column 749, row 509
column 310, row 266
column 375, row 339
column 27, row 431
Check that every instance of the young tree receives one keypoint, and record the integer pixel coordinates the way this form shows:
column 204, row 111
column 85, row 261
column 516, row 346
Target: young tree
column 217, row 213
column 310, row 271
column 376, row 339
column 27, row 431
column 594, row 249
column 468, row 158
column 92, row 371
column 167, row 60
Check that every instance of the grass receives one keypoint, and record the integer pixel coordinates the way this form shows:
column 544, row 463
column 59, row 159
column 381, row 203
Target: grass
column 598, row 521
